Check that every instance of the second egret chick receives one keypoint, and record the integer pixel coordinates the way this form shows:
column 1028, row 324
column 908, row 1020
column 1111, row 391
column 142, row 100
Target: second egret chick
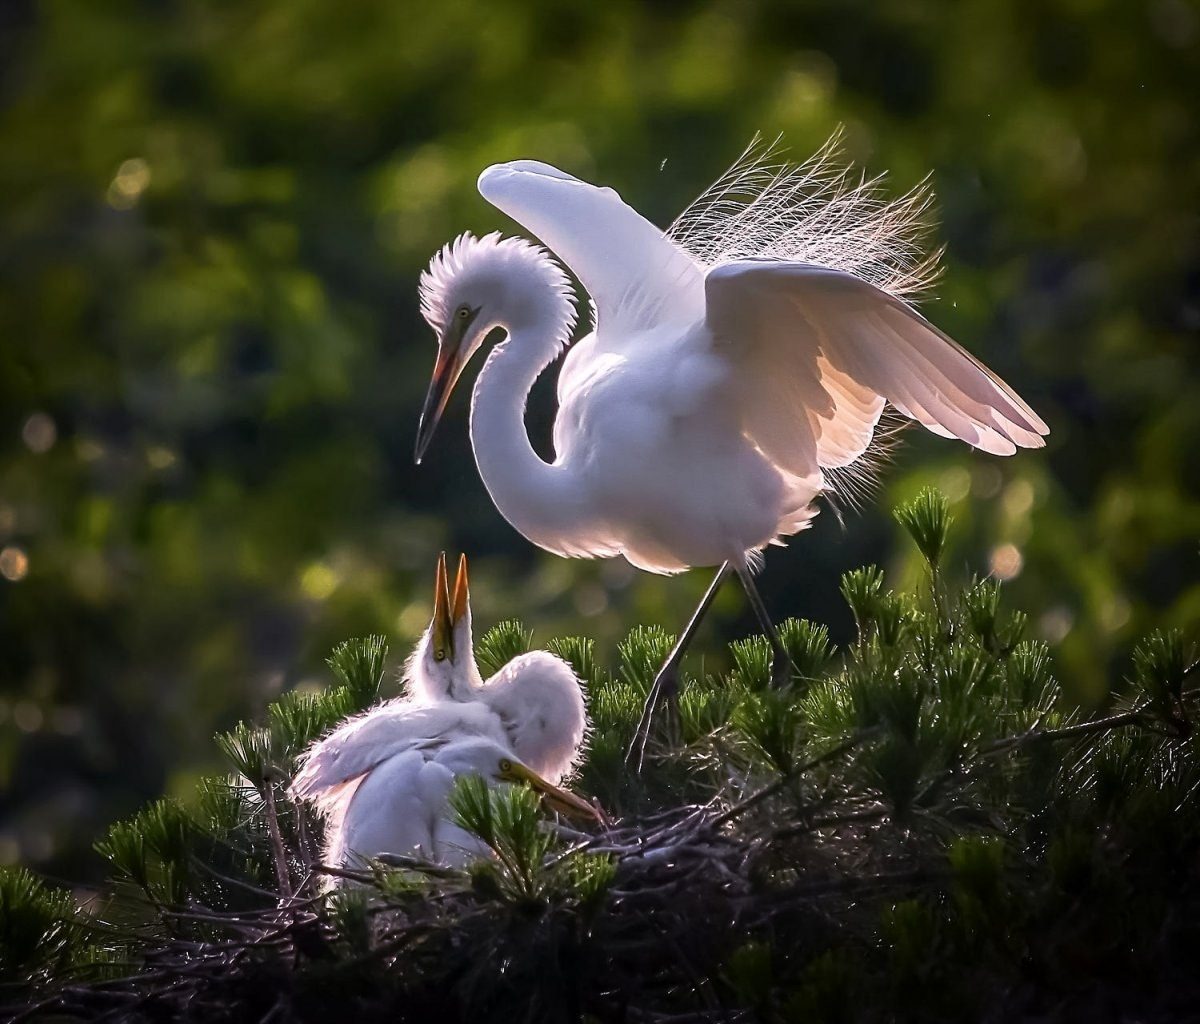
column 383, row 780
column 537, row 697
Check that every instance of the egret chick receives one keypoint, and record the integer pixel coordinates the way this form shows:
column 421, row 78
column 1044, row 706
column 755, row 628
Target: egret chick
column 737, row 370
column 536, row 696
column 383, row 780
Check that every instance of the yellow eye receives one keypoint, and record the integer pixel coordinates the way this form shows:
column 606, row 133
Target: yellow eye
column 439, row 655
column 505, row 765
column 463, row 312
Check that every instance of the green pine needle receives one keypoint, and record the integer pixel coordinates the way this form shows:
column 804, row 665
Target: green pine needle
column 500, row 644
column 642, row 654
column 927, row 519
column 809, row 647
column 358, row 665
column 37, row 924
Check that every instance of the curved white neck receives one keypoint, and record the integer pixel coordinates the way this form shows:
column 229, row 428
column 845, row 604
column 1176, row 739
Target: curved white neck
column 535, row 496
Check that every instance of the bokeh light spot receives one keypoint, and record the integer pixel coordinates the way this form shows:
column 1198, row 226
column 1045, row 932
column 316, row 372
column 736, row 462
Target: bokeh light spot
column 1006, row 561
column 130, row 182
column 1055, row 624
column 955, row 483
column 1018, row 498
column 160, row 458
column 14, row 563
column 318, row 581
column 39, row 433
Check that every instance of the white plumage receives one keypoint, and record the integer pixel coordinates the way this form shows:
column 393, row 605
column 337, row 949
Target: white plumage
column 734, row 371
column 382, row 779
column 696, row 422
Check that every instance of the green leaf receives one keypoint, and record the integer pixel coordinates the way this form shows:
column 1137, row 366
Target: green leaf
column 580, row 653
column 37, row 925
column 927, row 519
column 1160, row 663
column 862, row 589
column 808, row 646
column 642, row 654
column 752, row 661
column 771, row 722
column 358, row 665
column 500, row 644
column 248, row 748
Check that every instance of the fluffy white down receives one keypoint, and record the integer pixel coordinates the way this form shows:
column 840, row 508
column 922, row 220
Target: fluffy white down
column 539, row 701
column 381, row 780
column 724, row 387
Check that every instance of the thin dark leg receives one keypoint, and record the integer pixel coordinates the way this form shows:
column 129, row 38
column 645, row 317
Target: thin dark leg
column 781, row 668
column 666, row 682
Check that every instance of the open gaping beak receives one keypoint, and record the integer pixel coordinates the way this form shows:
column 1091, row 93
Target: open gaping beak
column 557, row 798
column 448, row 610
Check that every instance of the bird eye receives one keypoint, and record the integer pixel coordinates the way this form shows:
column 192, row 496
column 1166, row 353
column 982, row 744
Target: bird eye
column 439, row 655
column 505, row 765
column 463, row 312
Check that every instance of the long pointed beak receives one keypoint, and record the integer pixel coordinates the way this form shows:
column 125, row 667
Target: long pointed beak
column 462, row 595
column 559, row 799
column 443, row 626
column 441, row 384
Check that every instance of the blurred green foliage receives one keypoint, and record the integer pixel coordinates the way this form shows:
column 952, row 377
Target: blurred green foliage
column 211, row 221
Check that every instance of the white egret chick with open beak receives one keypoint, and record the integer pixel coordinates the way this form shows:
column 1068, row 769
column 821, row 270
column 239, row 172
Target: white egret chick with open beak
column 737, row 369
column 536, row 696
column 382, row 779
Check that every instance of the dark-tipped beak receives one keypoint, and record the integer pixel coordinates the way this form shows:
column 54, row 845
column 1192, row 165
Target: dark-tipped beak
column 440, row 385
column 462, row 594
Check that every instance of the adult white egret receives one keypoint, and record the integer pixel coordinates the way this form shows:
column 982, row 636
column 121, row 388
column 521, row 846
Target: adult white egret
column 737, row 364
column 383, row 780
column 536, row 696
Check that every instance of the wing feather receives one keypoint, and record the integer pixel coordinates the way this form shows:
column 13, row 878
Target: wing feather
column 828, row 343
column 636, row 276
column 363, row 743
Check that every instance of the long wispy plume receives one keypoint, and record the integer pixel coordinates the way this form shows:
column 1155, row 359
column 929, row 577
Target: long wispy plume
column 824, row 212
column 821, row 211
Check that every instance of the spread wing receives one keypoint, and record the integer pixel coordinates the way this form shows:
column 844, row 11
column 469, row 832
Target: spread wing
column 361, row 744
column 637, row 277
column 819, row 352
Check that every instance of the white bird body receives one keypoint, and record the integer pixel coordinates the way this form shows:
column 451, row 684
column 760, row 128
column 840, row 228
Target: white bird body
column 382, row 779
column 738, row 368
column 709, row 408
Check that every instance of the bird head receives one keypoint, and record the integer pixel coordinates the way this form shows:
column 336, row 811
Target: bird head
column 474, row 285
column 561, row 800
column 443, row 666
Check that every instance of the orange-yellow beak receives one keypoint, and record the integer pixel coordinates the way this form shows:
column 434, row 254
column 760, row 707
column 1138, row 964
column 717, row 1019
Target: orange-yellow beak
column 559, row 799
column 462, row 594
column 447, row 610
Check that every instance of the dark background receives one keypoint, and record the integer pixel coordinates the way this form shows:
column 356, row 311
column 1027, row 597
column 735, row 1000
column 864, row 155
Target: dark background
column 212, row 217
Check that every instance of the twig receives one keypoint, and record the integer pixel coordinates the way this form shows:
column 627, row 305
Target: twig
column 278, row 855
column 1118, row 721
column 769, row 791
